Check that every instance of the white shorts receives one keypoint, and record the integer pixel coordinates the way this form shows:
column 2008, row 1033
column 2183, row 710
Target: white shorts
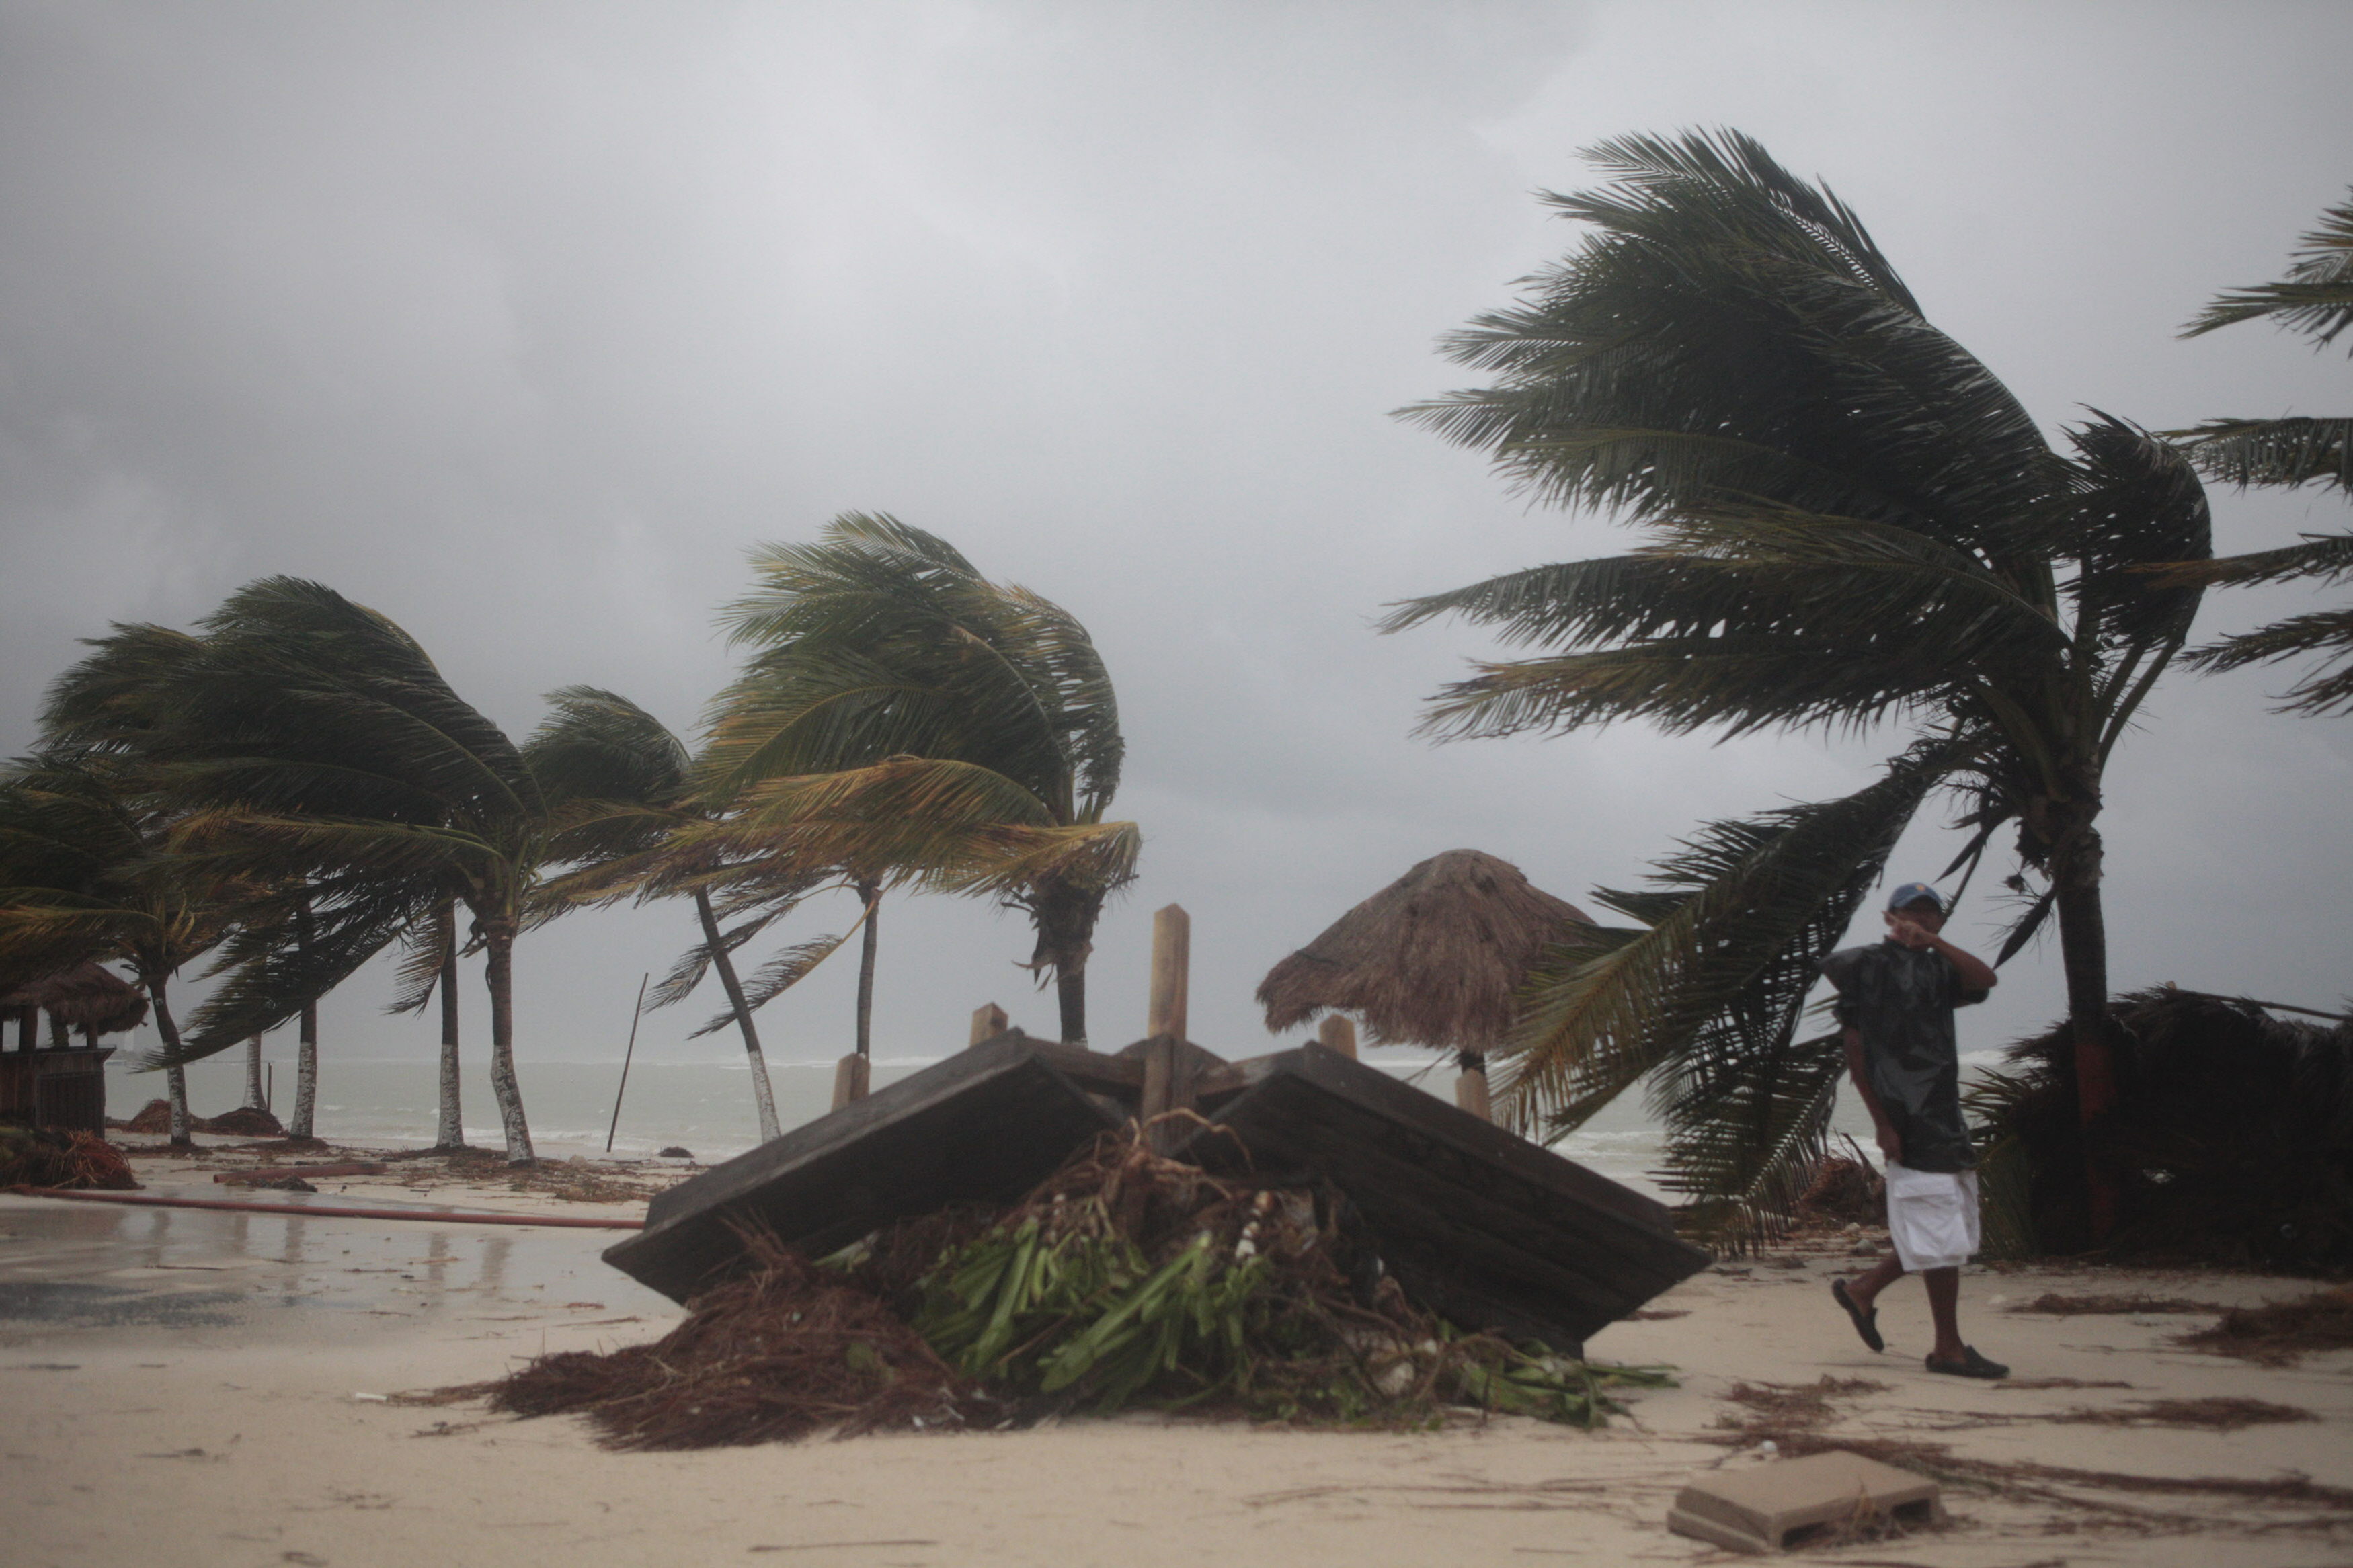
column 1932, row 1216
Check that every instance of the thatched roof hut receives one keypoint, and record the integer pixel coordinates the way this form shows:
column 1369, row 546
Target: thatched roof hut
column 85, row 997
column 1432, row 959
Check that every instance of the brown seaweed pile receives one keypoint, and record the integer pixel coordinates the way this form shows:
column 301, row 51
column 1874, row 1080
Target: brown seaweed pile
column 2054, row 1304
column 2283, row 1333
column 47, row 1157
column 771, row 1356
column 1125, row 1277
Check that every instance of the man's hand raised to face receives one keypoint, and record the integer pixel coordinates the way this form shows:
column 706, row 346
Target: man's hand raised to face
column 1911, row 933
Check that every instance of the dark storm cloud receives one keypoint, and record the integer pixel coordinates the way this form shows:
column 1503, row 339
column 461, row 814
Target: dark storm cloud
column 519, row 322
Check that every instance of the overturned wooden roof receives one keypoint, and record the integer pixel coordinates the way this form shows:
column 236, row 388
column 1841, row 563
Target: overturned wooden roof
column 84, row 997
column 1475, row 1222
column 1433, row 959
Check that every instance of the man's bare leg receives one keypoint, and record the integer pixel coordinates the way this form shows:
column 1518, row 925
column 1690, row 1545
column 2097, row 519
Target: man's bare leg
column 1944, row 1306
column 1864, row 1288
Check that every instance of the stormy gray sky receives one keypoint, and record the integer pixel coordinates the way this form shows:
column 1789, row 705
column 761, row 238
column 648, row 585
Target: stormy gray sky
column 520, row 322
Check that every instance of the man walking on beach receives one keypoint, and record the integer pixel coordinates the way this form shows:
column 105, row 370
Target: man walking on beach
column 1896, row 999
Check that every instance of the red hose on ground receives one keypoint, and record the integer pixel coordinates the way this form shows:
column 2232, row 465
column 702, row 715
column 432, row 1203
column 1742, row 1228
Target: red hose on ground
column 233, row 1205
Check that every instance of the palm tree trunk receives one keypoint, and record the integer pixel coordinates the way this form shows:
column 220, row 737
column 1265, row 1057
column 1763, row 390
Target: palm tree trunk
column 253, row 1096
column 498, row 971
column 1065, row 917
column 450, row 1125
column 1070, row 995
column 306, row 1047
column 176, row 1077
column 764, row 1094
column 2075, row 870
column 871, row 893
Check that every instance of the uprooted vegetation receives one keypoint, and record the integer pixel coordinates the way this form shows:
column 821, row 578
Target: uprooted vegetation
column 1124, row 1278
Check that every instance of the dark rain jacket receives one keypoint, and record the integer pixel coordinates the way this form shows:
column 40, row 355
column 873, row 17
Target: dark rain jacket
column 1901, row 1001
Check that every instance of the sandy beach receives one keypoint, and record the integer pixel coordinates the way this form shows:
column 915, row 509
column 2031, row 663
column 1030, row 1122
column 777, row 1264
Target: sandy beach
column 219, row 1386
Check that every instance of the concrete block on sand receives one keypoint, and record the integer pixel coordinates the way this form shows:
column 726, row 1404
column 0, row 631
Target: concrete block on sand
column 1760, row 1510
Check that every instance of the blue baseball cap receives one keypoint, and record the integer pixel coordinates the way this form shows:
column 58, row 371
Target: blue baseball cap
column 1912, row 893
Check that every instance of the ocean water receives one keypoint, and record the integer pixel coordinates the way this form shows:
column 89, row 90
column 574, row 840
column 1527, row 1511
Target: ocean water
column 706, row 1106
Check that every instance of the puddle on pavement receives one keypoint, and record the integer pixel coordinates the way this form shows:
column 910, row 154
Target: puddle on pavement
column 70, row 1268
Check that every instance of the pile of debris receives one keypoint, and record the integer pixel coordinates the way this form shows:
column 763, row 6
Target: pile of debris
column 245, row 1122
column 1125, row 1277
column 2232, row 1130
column 48, row 1157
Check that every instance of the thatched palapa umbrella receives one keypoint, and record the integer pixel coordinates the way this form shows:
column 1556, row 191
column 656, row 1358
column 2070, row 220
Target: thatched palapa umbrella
column 86, row 998
column 1433, row 959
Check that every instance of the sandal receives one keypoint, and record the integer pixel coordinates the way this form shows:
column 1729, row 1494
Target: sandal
column 1865, row 1323
column 1971, row 1364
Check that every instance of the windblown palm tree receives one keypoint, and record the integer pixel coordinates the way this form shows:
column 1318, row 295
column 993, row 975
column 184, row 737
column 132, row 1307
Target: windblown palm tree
column 334, row 766
column 84, row 875
column 2316, row 299
column 118, row 704
column 901, row 716
column 622, row 787
column 1850, row 522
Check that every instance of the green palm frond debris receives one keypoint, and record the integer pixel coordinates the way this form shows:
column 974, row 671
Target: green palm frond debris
column 1125, row 1279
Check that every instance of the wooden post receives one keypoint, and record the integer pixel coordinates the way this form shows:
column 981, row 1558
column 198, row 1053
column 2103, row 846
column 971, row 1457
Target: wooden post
column 1168, row 1066
column 988, row 1023
column 1337, row 1032
column 1172, row 944
column 1470, row 1086
column 1170, row 1070
column 849, row 1079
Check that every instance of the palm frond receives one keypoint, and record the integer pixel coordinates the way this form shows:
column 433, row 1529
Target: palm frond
column 2324, row 557
column 692, row 965
column 2328, row 689
column 1743, row 1146
column 1727, row 330
column 2315, row 298
column 2281, row 452
column 775, row 977
column 1759, row 904
column 2138, row 501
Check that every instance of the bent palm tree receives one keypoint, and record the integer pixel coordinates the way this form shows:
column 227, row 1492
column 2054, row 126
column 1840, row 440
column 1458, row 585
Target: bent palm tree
column 1851, row 522
column 119, row 704
column 621, row 785
column 331, row 756
column 83, row 876
column 901, row 716
column 2316, row 299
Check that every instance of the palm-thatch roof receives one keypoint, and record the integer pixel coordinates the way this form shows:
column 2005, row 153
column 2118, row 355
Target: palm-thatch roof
column 1433, row 959
column 83, row 997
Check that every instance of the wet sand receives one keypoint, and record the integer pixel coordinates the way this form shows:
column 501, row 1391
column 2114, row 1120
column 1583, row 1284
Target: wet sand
column 207, row 1386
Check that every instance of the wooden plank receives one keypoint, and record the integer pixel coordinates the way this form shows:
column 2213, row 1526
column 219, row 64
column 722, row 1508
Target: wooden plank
column 983, row 1126
column 1120, row 1076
